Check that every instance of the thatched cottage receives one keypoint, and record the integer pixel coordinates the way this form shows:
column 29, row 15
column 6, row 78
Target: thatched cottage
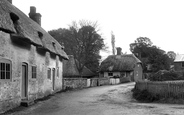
column 122, row 65
column 70, row 69
column 31, row 61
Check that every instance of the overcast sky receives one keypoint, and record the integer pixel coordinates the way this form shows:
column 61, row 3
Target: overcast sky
column 160, row 20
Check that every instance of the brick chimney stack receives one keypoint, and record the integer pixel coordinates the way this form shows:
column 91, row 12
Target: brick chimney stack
column 118, row 50
column 10, row 1
column 35, row 16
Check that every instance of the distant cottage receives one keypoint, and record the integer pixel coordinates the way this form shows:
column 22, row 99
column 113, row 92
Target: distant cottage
column 122, row 65
column 179, row 63
column 30, row 59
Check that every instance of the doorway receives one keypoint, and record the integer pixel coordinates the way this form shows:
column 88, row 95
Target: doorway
column 53, row 78
column 24, row 92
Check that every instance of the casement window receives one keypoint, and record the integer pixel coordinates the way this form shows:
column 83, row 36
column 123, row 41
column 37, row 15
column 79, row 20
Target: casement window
column 57, row 72
column 49, row 73
column 34, row 72
column 5, row 69
column 110, row 74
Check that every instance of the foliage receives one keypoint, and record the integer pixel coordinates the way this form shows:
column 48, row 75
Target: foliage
column 150, row 54
column 164, row 75
column 172, row 55
column 144, row 96
column 83, row 42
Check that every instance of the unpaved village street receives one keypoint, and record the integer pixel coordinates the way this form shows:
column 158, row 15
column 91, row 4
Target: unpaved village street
column 104, row 100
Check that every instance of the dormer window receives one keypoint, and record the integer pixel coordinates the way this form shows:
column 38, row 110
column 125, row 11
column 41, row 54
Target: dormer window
column 14, row 17
column 40, row 35
column 53, row 44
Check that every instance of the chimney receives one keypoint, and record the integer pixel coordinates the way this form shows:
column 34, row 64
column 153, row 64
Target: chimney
column 118, row 50
column 35, row 16
column 10, row 1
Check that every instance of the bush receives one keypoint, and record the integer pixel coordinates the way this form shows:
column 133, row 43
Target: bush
column 144, row 96
column 164, row 75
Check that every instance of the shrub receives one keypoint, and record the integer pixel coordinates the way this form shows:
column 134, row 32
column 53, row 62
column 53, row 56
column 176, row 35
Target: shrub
column 144, row 96
column 164, row 75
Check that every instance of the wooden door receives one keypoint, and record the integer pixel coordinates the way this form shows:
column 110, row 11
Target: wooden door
column 24, row 81
column 53, row 78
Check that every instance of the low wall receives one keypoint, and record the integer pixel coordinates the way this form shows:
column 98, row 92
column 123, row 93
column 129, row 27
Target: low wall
column 166, row 89
column 74, row 83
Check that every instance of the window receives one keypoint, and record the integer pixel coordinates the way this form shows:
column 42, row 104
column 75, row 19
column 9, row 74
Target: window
column 49, row 73
column 182, row 64
column 57, row 72
column 5, row 69
column 110, row 74
column 33, row 71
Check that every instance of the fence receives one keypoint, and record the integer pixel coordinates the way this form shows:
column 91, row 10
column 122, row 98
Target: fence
column 166, row 89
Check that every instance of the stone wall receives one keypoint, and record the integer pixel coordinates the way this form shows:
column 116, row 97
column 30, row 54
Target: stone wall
column 74, row 83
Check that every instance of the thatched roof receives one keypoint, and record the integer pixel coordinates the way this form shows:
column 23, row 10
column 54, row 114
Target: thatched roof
column 179, row 58
column 70, row 69
column 21, row 27
column 116, row 63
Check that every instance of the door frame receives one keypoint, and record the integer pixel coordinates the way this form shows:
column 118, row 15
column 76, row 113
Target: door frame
column 24, row 82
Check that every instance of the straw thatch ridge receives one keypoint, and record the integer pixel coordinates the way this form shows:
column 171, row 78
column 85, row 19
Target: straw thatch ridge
column 20, row 26
column 70, row 69
column 119, row 63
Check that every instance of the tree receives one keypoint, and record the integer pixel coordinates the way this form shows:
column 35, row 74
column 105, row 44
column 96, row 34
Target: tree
column 140, row 45
column 171, row 55
column 150, row 54
column 113, row 43
column 83, row 42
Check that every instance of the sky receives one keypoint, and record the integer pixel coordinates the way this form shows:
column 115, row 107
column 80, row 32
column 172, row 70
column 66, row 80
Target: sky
column 160, row 20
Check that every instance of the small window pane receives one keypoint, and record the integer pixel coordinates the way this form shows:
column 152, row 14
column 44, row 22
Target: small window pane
column 2, row 75
column 7, row 75
column 7, row 67
column 3, row 66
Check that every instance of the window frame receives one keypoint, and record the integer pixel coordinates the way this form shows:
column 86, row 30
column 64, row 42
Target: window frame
column 6, row 62
column 57, row 72
column 110, row 73
column 49, row 72
column 34, row 72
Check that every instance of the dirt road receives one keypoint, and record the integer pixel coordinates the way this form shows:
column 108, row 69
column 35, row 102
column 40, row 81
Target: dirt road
column 104, row 100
